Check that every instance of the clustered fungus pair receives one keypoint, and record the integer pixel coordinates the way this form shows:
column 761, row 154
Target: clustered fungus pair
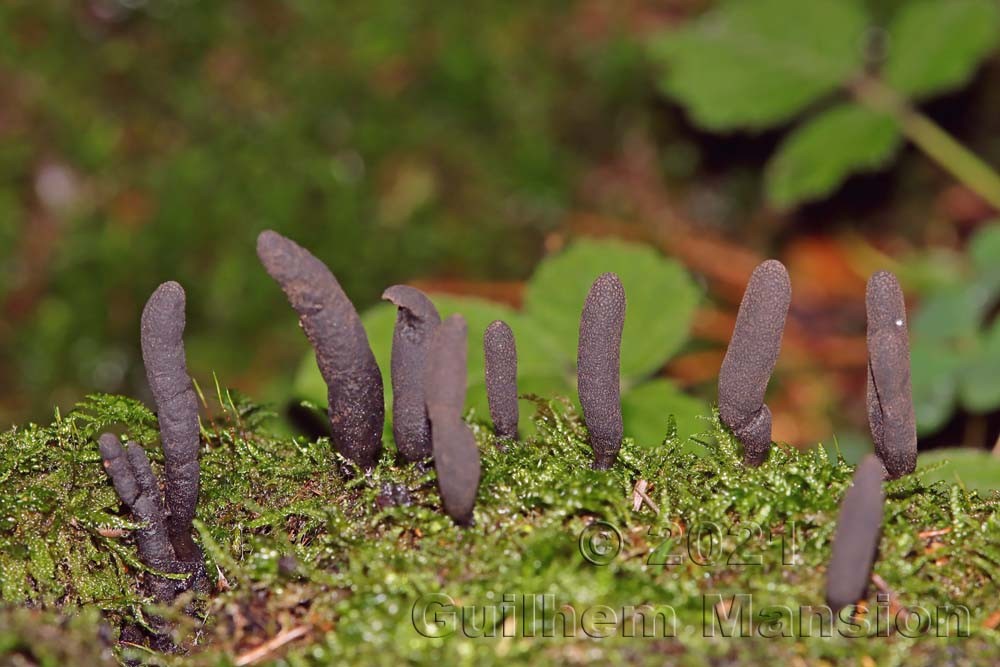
column 746, row 370
column 428, row 372
column 753, row 352
column 165, row 543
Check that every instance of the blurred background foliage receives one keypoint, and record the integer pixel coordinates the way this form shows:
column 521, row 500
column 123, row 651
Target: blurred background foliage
column 456, row 147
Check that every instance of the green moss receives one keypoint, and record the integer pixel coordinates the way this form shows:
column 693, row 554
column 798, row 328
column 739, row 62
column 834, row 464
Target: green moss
column 303, row 551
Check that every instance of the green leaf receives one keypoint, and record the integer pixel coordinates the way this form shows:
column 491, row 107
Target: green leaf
column 951, row 313
column 933, row 379
column 975, row 468
column 818, row 156
column 936, row 46
column 980, row 379
column 647, row 408
column 984, row 249
column 660, row 297
column 756, row 63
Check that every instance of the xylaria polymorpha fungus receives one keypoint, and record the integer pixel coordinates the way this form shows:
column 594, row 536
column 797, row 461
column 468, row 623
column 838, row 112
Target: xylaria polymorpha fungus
column 137, row 486
column 750, row 358
column 162, row 338
column 332, row 325
column 456, row 455
column 598, row 367
column 415, row 322
column 855, row 542
column 890, row 397
column 500, row 352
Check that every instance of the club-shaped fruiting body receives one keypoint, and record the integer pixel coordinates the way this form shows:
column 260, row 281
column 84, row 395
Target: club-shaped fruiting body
column 137, row 486
column 855, row 542
column 750, row 358
column 598, row 367
column 332, row 325
column 162, row 337
column 890, row 397
column 500, row 354
column 456, row 455
column 415, row 323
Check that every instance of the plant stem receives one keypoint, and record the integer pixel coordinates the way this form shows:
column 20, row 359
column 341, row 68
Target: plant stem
column 937, row 144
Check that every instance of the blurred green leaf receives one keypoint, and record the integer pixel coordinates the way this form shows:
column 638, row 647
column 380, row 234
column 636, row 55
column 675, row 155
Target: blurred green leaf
column 974, row 468
column 646, row 409
column 932, row 375
column 660, row 297
column 952, row 312
column 936, row 46
column 819, row 155
column 755, row 63
column 979, row 383
column 984, row 251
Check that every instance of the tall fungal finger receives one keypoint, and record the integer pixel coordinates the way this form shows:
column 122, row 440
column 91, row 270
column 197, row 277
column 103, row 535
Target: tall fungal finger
column 855, row 543
column 162, row 333
column 332, row 325
column 750, row 358
column 133, row 479
column 415, row 323
column 890, row 396
column 598, row 367
column 500, row 354
column 456, row 455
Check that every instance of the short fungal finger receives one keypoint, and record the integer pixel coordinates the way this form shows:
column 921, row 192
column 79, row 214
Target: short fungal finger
column 415, row 323
column 456, row 454
column 133, row 479
column 345, row 359
column 751, row 356
column 162, row 334
column 500, row 352
column 855, row 542
column 890, row 396
column 598, row 367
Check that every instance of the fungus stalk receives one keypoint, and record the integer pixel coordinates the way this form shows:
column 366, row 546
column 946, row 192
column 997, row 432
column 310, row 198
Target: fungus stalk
column 162, row 337
column 598, row 367
column 500, row 352
column 889, row 393
column 750, row 358
column 415, row 323
column 456, row 455
column 855, row 542
column 332, row 325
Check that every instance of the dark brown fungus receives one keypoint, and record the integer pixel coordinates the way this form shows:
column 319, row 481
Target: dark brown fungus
column 855, row 543
column 162, row 334
column 332, row 325
column 598, row 367
column 750, row 358
column 137, row 486
column 456, row 455
column 500, row 353
column 890, row 397
column 415, row 322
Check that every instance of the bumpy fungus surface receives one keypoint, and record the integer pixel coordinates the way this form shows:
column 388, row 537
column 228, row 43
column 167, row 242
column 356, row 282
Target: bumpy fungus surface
column 500, row 353
column 598, row 367
column 345, row 359
column 750, row 358
column 456, row 454
column 162, row 331
column 859, row 526
column 415, row 322
column 890, row 396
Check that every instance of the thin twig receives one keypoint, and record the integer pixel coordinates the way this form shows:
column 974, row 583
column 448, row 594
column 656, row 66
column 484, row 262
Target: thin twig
column 279, row 640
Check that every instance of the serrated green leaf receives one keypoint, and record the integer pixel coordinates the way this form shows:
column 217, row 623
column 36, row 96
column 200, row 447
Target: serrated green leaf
column 821, row 154
column 932, row 375
column 975, row 468
column 660, row 302
column 756, row 63
column 979, row 383
column 646, row 409
column 936, row 46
